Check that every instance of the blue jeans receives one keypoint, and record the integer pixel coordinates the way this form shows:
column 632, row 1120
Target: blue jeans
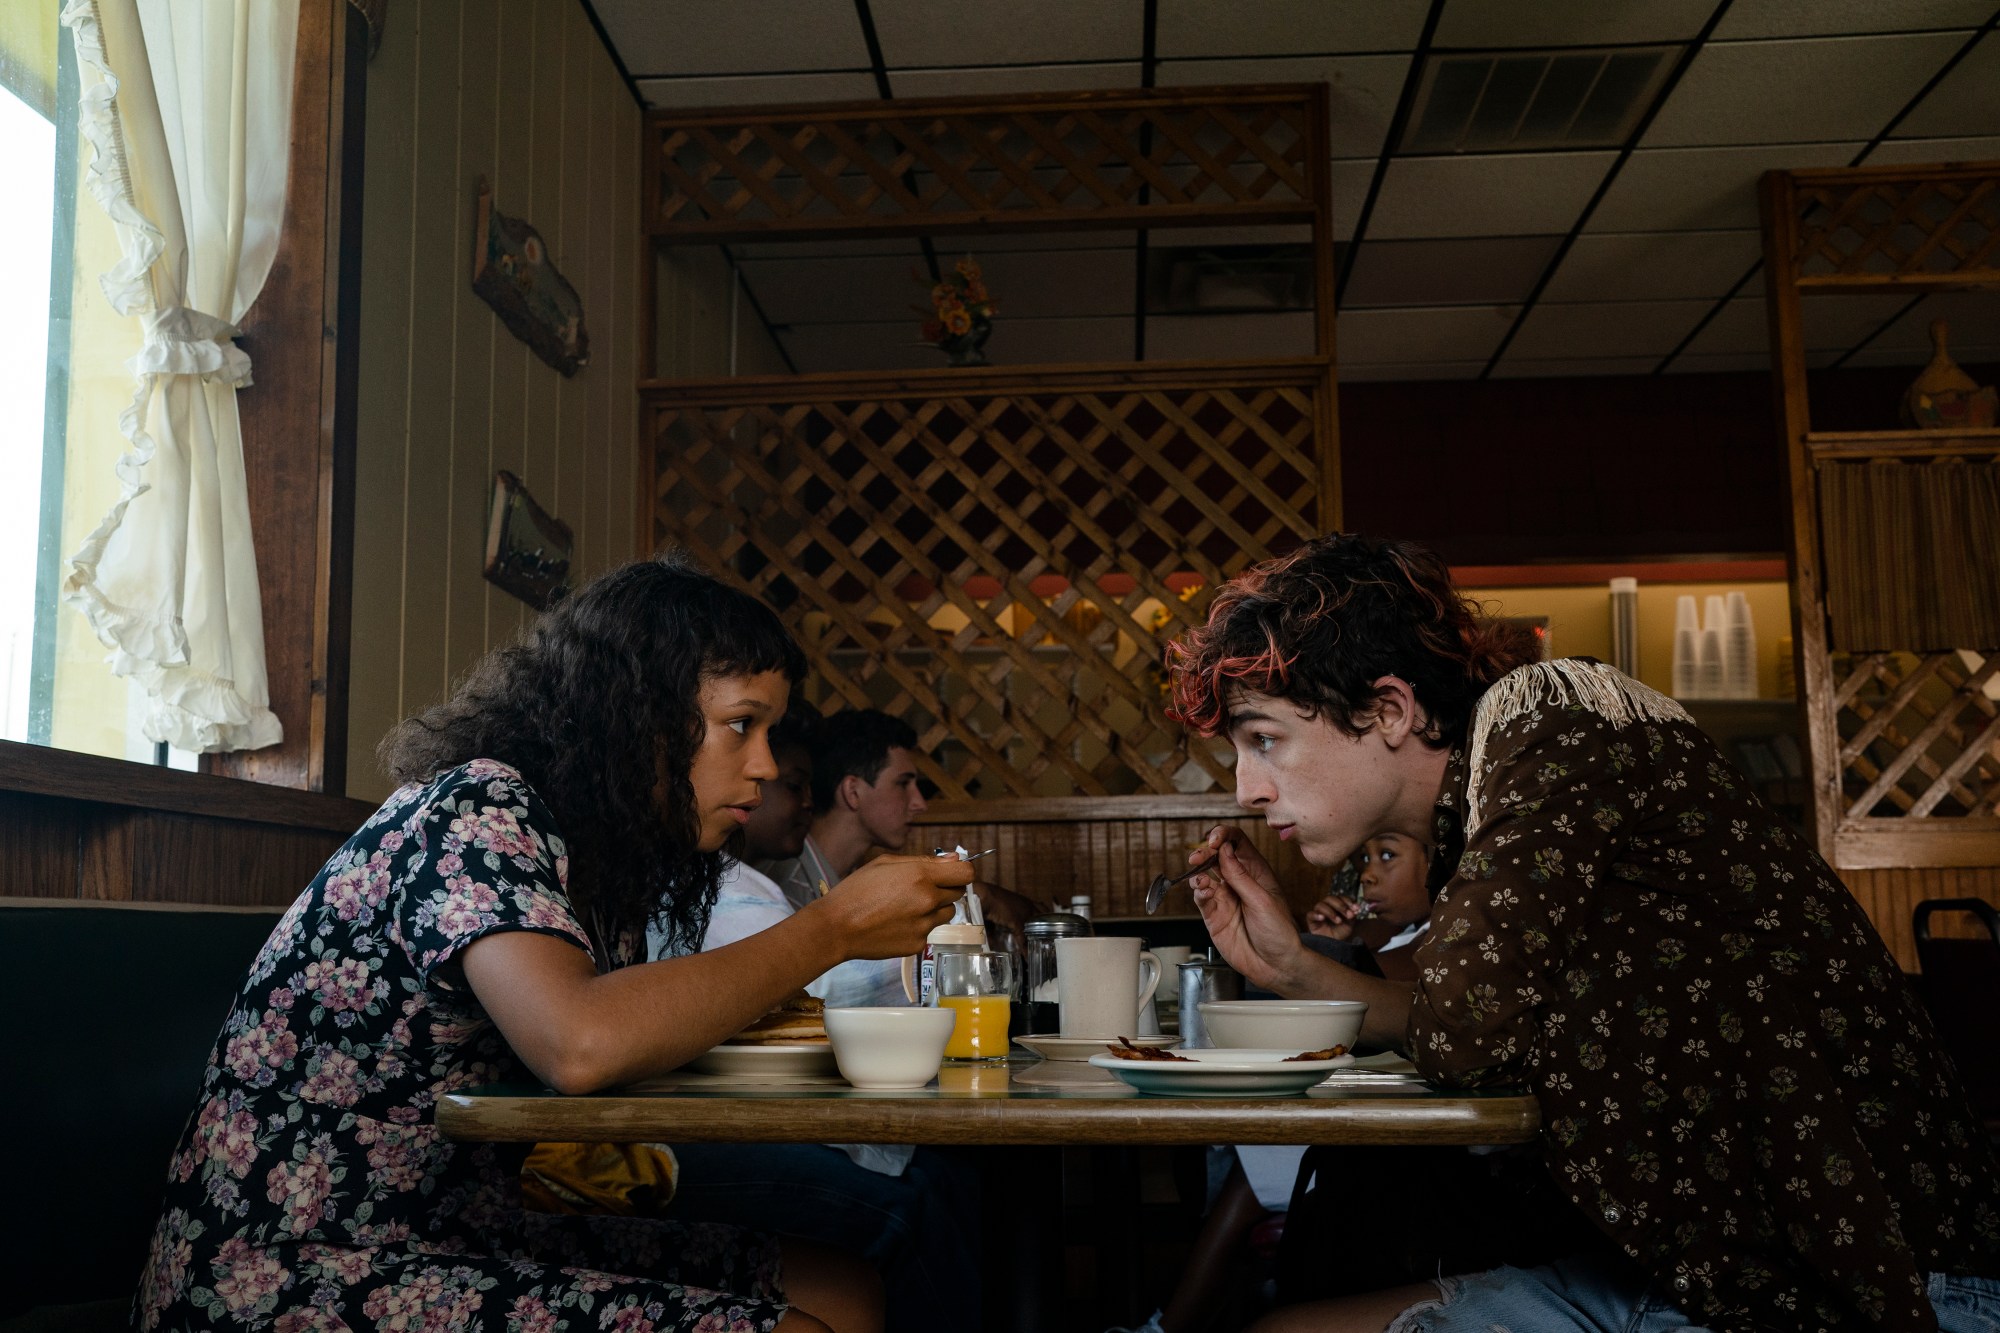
column 1591, row 1296
column 912, row 1227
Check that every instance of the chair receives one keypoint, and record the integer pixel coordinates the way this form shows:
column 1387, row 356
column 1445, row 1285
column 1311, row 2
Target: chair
column 1961, row 986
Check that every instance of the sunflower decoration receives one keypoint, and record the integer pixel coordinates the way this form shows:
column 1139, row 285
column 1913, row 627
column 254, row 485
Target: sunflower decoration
column 960, row 317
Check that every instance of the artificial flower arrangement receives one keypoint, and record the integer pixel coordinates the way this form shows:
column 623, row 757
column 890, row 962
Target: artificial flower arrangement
column 961, row 315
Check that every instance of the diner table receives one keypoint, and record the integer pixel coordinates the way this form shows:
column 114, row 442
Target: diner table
column 1019, row 1101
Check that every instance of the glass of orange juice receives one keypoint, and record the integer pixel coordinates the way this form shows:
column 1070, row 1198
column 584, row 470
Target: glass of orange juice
column 979, row 985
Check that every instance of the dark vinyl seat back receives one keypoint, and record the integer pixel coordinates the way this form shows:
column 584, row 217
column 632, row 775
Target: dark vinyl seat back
column 1961, row 985
column 109, row 1016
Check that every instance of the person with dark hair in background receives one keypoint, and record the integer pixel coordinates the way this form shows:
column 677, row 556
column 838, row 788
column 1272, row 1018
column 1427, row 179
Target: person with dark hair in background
column 488, row 924
column 1741, row 1095
column 865, row 795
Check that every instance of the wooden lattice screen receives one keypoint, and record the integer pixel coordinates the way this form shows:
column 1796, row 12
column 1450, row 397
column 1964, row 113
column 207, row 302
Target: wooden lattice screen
column 1150, row 158
column 996, row 556
column 1905, row 767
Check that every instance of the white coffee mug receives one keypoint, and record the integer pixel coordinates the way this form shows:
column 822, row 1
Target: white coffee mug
column 1098, row 985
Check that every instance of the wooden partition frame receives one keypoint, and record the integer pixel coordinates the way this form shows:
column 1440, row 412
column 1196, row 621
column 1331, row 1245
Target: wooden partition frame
column 1151, row 158
column 933, row 537
column 1905, row 728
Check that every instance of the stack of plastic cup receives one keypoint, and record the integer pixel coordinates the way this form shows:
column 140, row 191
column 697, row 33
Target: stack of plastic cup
column 1711, row 679
column 1739, row 649
column 1687, row 649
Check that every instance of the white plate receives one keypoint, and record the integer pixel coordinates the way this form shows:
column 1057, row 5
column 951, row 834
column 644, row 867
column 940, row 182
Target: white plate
column 1082, row 1048
column 1223, row 1073
column 776, row 1060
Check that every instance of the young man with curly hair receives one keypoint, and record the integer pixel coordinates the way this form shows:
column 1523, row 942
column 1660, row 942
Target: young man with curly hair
column 1739, row 1091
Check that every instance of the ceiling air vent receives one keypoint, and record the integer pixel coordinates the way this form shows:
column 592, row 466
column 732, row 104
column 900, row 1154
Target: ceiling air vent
column 1525, row 101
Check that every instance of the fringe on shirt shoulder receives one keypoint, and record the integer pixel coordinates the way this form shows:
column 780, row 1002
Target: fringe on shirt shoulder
column 1565, row 682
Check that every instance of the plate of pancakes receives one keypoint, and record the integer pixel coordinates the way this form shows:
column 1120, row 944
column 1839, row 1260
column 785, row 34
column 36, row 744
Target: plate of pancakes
column 785, row 1044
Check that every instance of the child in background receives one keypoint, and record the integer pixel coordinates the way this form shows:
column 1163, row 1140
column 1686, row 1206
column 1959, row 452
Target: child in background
column 1389, row 909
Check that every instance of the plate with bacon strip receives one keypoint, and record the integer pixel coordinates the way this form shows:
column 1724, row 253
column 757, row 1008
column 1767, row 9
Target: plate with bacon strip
column 1221, row 1072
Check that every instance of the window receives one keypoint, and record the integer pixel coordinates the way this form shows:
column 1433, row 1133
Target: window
column 62, row 386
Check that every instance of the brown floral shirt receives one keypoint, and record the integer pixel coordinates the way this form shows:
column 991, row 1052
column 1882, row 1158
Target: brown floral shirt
column 1737, row 1084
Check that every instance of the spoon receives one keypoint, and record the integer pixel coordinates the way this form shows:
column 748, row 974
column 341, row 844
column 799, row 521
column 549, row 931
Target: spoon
column 1156, row 892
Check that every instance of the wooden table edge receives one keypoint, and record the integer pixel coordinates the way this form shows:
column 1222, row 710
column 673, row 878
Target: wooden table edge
column 997, row 1122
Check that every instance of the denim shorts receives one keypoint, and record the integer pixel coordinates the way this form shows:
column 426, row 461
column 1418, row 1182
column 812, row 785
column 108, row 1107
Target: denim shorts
column 1592, row 1296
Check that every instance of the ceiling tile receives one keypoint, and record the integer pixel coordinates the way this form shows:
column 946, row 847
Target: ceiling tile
column 1350, row 190
column 1362, row 90
column 1013, row 79
column 1205, row 28
column 1513, row 368
column 1060, row 282
column 1477, row 270
column 1412, row 370
column 824, row 290
column 758, row 90
column 1831, row 323
column 1465, row 333
column 1495, row 23
column 1229, row 337
column 1653, row 266
column 1710, row 189
column 691, row 37
column 1935, row 150
column 1502, row 194
column 1824, row 18
column 1711, row 363
column 1966, row 102
column 1020, row 32
column 1738, row 329
column 1798, row 91
column 1605, row 329
column 816, row 348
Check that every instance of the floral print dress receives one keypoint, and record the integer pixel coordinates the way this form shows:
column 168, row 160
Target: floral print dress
column 1737, row 1085
column 311, row 1189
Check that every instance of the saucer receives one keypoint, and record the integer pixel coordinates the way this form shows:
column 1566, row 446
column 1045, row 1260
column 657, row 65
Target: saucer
column 1082, row 1048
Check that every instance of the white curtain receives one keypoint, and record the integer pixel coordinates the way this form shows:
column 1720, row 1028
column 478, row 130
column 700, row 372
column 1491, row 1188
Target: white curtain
column 187, row 107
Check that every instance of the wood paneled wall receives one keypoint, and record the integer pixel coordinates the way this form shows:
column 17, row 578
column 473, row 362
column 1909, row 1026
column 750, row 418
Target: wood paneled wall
column 85, row 827
column 1043, row 851
column 520, row 94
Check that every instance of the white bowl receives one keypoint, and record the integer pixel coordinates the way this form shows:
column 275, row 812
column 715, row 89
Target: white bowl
column 1283, row 1025
column 889, row 1047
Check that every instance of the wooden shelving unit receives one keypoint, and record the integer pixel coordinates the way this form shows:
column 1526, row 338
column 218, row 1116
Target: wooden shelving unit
column 1904, row 775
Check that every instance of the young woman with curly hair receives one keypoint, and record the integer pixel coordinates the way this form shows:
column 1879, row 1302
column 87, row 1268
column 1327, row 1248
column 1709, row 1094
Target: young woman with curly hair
column 488, row 924
column 1739, row 1092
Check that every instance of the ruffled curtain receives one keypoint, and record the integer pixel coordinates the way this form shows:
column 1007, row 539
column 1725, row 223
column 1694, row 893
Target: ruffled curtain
column 187, row 107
